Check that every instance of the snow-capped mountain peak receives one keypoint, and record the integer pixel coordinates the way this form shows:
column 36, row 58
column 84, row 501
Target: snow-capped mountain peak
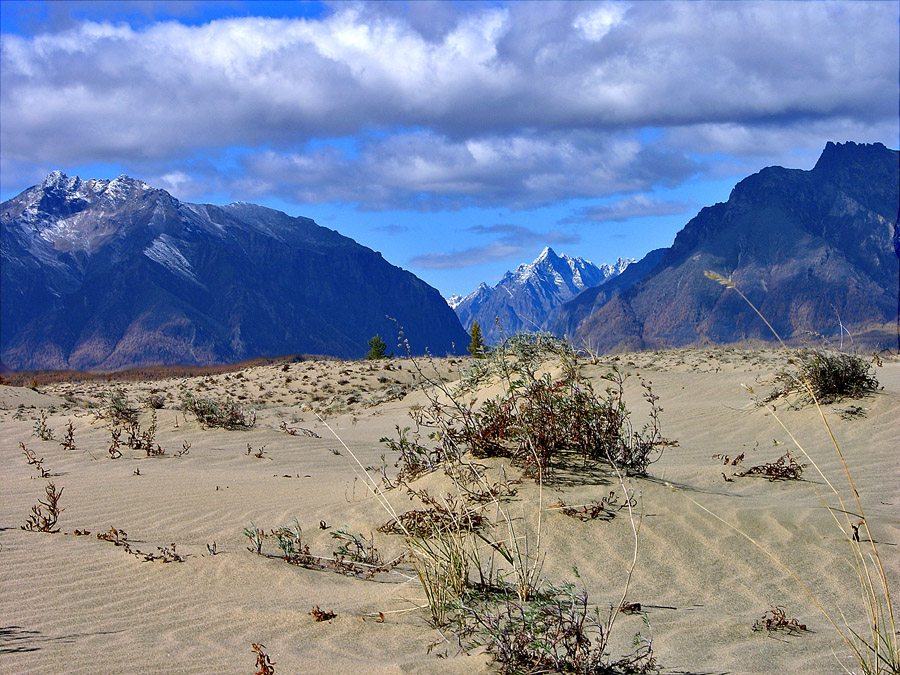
column 526, row 298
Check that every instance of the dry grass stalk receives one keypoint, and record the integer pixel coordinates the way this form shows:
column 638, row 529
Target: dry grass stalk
column 33, row 460
column 68, row 441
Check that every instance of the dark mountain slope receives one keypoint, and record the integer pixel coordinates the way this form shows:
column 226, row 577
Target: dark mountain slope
column 109, row 274
column 811, row 248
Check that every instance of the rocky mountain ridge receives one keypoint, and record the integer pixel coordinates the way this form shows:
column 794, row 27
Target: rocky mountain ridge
column 104, row 274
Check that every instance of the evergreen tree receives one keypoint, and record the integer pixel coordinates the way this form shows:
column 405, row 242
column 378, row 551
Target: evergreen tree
column 476, row 348
column 377, row 349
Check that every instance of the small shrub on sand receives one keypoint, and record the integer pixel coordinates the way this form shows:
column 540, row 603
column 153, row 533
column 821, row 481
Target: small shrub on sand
column 119, row 409
column 320, row 614
column 356, row 547
column 226, row 415
column 68, row 441
column 785, row 467
column 156, row 401
column 538, row 417
column 41, row 430
column 826, row 377
column 775, row 619
column 44, row 514
column 33, row 460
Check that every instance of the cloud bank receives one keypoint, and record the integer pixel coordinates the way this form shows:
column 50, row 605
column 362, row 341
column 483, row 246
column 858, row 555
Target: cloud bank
column 442, row 106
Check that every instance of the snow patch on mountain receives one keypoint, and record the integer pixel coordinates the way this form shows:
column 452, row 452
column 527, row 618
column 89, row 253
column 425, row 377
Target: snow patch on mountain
column 164, row 251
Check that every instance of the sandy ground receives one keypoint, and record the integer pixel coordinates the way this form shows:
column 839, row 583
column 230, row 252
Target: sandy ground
column 76, row 604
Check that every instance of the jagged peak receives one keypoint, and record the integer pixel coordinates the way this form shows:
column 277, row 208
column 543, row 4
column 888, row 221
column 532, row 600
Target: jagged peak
column 837, row 154
column 545, row 254
column 59, row 179
column 125, row 179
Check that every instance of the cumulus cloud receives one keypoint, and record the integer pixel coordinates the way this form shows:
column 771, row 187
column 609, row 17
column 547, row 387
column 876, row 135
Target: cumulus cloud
column 482, row 104
column 634, row 206
column 513, row 242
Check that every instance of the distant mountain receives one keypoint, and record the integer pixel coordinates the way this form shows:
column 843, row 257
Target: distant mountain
column 103, row 274
column 526, row 299
column 812, row 249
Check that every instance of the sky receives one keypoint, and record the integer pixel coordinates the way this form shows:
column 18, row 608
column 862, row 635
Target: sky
column 457, row 138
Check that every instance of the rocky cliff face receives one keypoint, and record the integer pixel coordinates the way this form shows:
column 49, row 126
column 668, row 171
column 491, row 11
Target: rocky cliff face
column 812, row 249
column 527, row 299
column 107, row 274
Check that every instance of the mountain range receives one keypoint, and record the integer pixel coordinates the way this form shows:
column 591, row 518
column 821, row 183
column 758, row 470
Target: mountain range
column 527, row 299
column 104, row 274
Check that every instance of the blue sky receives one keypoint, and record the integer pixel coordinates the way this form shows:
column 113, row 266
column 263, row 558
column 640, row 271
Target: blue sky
column 456, row 138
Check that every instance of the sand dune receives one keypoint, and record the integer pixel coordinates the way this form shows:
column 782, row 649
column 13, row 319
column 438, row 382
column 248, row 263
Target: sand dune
column 77, row 604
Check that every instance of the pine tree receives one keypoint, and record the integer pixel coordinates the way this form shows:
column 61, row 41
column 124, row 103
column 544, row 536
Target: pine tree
column 476, row 348
column 377, row 349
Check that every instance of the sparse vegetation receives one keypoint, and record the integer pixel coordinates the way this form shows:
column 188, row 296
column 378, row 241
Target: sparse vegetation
column 356, row 547
column 484, row 579
column 775, row 619
column 877, row 650
column 45, row 514
column 558, row 631
column 538, row 417
column 119, row 409
column 68, row 441
column 113, row 450
column 164, row 554
column 357, row 562
column 785, row 467
column 320, row 614
column 264, row 664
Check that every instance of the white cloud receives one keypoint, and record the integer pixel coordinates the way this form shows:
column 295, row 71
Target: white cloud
column 518, row 104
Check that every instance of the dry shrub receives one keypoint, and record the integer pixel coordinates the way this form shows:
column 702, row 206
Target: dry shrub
column 33, row 460
column 45, row 514
column 775, row 619
column 826, row 377
column 264, row 664
column 222, row 414
column 41, row 429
